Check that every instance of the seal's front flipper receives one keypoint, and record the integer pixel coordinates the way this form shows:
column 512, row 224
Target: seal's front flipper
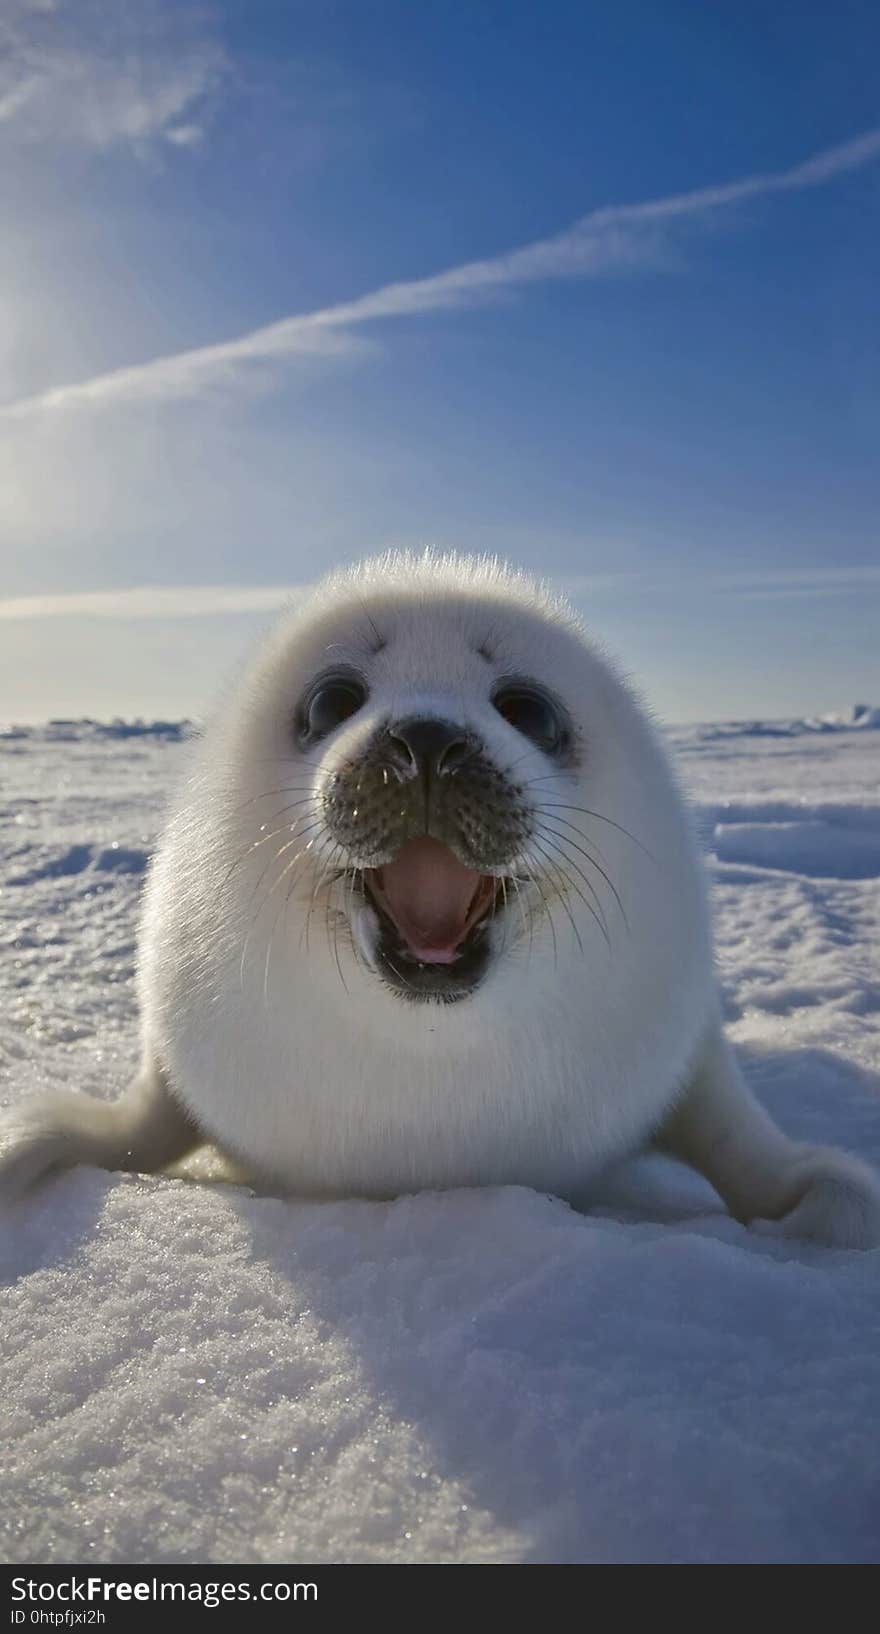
column 143, row 1131
column 776, row 1185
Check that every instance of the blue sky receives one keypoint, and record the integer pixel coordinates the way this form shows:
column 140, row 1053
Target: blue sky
column 591, row 286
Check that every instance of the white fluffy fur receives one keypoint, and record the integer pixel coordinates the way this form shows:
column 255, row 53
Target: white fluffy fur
column 265, row 1028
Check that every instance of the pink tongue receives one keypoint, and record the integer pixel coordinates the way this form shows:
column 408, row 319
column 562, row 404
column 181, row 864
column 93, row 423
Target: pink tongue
column 428, row 894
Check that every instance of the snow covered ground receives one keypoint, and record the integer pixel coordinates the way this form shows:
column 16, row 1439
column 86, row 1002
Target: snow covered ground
column 190, row 1373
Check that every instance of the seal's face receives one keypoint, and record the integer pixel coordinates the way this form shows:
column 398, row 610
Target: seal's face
column 437, row 745
column 437, row 832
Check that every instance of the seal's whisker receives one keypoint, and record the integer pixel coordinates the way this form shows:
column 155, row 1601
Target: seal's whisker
column 559, row 872
column 587, row 839
column 325, row 863
column 562, row 865
column 276, row 857
column 307, row 800
column 289, row 893
column 331, row 911
column 336, row 957
column 266, row 794
column 586, row 811
column 349, row 876
column 555, row 840
column 288, row 867
column 503, row 898
column 565, row 839
column 280, row 911
column 536, row 881
column 518, row 762
column 285, row 828
column 405, row 979
column 331, row 914
column 527, row 923
column 573, row 866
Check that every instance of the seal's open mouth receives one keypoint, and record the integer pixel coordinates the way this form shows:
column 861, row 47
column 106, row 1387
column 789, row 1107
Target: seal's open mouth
column 434, row 913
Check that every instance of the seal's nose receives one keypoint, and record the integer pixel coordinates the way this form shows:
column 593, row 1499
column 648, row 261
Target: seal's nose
column 427, row 748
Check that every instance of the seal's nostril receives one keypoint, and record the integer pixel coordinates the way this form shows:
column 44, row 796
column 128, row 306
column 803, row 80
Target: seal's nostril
column 404, row 759
column 433, row 748
column 450, row 758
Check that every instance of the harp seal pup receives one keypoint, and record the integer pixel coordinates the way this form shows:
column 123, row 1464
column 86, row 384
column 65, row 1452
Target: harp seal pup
column 429, row 913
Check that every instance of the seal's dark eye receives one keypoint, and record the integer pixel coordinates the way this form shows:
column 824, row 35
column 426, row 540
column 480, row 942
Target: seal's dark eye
column 331, row 703
column 531, row 714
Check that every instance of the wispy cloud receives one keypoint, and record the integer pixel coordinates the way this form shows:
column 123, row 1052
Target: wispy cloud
column 608, row 239
column 217, row 600
column 152, row 601
column 802, row 582
column 100, row 73
column 794, row 581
